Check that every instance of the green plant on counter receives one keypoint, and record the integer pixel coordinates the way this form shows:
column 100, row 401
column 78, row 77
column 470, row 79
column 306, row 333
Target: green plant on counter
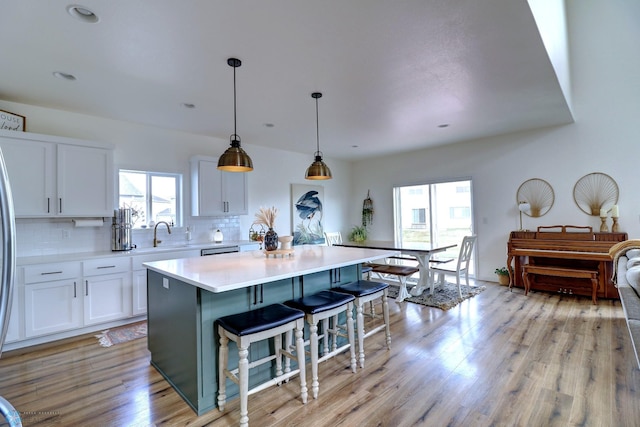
column 358, row 234
column 502, row 271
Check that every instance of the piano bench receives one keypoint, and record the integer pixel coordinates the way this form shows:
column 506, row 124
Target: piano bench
column 572, row 273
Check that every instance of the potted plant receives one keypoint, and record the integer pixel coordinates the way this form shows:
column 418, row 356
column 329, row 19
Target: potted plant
column 503, row 275
column 358, row 234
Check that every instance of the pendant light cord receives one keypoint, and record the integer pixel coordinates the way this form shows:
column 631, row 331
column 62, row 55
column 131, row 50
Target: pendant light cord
column 235, row 131
column 317, row 129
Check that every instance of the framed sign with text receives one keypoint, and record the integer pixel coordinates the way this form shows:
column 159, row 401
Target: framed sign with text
column 10, row 121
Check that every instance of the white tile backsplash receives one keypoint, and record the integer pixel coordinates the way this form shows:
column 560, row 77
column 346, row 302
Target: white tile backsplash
column 37, row 237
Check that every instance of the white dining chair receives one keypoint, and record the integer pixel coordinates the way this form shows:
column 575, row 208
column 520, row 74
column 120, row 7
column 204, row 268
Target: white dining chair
column 456, row 266
column 333, row 238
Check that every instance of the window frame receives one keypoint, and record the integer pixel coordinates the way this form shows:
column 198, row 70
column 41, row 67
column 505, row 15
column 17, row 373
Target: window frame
column 149, row 175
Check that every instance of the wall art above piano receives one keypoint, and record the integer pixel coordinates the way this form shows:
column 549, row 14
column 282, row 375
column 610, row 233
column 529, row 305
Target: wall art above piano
column 595, row 191
column 538, row 196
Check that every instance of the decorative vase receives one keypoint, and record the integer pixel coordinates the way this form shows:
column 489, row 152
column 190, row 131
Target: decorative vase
column 270, row 240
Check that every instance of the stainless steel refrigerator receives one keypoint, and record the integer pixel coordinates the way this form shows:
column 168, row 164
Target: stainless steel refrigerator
column 8, row 271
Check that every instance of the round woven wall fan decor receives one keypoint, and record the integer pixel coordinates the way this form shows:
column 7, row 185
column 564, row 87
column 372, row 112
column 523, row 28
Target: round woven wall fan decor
column 539, row 194
column 595, row 191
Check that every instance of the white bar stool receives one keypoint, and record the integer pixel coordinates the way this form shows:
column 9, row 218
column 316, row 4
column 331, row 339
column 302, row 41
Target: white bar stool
column 366, row 291
column 324, row 305
column 252, row 326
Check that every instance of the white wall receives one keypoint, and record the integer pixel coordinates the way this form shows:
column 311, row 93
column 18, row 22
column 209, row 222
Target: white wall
column 603, row 40
column 149, row 148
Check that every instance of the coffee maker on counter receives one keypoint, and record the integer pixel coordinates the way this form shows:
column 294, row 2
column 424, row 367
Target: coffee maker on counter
column 121, row 230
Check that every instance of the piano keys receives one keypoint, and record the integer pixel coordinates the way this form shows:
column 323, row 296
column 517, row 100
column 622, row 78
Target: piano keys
column 564, row 246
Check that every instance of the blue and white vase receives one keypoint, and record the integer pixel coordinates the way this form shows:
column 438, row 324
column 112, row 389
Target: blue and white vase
column 270, row 240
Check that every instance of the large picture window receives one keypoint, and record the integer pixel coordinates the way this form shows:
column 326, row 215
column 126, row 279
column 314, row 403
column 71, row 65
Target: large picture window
column 153, row 196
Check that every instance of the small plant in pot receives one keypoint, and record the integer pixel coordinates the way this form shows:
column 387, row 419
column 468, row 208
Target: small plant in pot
column 358, row 234
column 503, row 275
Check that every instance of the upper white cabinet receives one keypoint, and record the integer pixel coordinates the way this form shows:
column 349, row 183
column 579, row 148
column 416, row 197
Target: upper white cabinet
column 214, row 192
column 53, row 176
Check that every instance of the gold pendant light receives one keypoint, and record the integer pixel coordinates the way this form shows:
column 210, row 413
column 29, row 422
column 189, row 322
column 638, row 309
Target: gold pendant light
column 235, row 159
column 318, row 169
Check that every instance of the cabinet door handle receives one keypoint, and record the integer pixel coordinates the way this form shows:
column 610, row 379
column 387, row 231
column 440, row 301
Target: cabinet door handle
column 60, row 205
column 86, row 288
column 106, row 266
column 255, row 295
column 74, row 290
column 48, row 204
column 50, row 272
column 261, row 294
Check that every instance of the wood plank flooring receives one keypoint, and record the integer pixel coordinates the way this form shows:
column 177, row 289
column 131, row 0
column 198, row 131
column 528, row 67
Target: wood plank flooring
column 498, row 359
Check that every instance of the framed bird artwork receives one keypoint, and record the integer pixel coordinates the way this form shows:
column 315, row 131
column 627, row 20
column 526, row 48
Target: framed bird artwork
column 306, row 213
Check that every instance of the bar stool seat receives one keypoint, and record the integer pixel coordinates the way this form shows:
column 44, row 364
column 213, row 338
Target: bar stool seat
column 326, row 305
column 366, row 291
column 256, row 325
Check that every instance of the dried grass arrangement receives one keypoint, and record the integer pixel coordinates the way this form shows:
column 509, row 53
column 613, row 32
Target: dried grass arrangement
column 266, row 216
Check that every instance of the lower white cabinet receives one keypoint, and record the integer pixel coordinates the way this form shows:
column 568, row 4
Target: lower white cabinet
column 13, row 331
column 139, row 292
column 69, row 295
column 52, row 298
column 107, row 290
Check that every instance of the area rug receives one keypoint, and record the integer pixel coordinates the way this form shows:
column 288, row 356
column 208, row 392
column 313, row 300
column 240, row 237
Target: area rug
column 444, row 297
column 122, row 334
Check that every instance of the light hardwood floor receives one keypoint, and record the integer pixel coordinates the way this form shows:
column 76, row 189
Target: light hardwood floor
column 498, row 359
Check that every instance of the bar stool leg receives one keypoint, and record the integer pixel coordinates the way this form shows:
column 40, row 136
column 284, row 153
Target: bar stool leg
column 222, row 366
column 360, row 322
column 326, row 334
column 277, row 345
column 313, row 347
column 243, row 376
column 385, row 314
column 352, row 350
column 301, row 359
column 287, row 361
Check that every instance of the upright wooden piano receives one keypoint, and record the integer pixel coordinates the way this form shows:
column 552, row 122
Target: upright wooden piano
column 563, row 246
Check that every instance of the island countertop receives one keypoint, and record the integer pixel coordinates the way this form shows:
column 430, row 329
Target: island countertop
column 226, row 272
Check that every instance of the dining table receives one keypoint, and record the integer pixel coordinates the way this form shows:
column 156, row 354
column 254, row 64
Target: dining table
column 422, row 252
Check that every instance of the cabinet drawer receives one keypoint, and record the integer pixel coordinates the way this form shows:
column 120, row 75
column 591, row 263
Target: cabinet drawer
column 49, row 272
column 97, row 267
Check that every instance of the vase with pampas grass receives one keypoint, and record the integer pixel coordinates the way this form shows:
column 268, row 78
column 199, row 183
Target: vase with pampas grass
column 267, row 217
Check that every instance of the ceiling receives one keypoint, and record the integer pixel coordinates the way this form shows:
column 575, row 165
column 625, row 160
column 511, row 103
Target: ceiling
column 392, row 73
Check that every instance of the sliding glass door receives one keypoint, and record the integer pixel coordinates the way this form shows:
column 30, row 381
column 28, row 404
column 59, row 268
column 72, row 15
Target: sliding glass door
column 439, row 213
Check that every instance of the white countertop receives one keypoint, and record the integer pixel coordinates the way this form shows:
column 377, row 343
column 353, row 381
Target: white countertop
column 42, row 259
column 227, row 272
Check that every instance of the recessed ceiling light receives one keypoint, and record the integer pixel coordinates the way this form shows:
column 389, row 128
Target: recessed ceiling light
column 188, row 105
column 444, row 125
column 82, row 13
column 64, row 76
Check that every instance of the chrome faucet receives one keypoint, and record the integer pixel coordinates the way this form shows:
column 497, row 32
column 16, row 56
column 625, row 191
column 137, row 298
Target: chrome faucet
column 156, row 242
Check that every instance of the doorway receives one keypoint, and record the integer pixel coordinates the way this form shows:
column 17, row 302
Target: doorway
column 440, row 213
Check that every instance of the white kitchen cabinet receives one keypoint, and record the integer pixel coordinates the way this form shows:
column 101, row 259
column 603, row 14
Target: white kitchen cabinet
column 52, row 298
column 85, row 181
column 13, row 331
column 106, row 290
column 214, row 192
column 58, row 177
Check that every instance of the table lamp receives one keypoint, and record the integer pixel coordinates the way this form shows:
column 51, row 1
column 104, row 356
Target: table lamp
column 522, row 207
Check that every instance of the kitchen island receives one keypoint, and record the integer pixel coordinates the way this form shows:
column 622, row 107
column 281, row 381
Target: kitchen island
column 186, row 296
